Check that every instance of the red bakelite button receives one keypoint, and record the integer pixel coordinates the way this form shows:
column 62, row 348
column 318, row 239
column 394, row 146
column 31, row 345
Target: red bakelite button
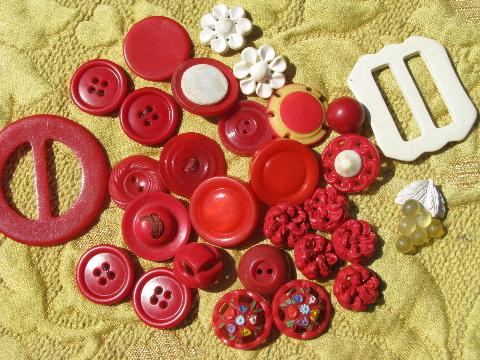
column 155, row 226
column 160, row 300
column 189, row 159
column 242, row 319
column 327, row 209
column 314, row 256
column 155, row 47
column 354, row 241
column 105, row 274
column 149, row 116
column 345, row 115
column 224, row 211
column 98, row 87
column 302, row 112
column 301, row 309
column 285, row 224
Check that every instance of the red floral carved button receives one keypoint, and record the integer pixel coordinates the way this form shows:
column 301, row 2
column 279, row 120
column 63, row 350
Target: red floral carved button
column 327, row 209
column 315, row 256
column 301, row 309
column 242, row 319
column 284, row 224
column 354, row 241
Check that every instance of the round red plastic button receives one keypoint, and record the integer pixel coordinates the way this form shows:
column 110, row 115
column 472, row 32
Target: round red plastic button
column 304, row 106
column 345, row 115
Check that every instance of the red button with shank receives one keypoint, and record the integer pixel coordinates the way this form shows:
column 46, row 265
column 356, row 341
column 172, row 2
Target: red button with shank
column 354, row 241
column 315, row 256
column 285, row 224
column 327, row 209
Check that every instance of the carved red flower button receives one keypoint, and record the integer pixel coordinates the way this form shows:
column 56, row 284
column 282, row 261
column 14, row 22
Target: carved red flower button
column 315, row 256
column 284, row 224
column 354, row 241
column 327, row 209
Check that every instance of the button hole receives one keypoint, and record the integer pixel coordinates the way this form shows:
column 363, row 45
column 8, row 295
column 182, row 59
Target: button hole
column 91, row 89
column 97, row 272
column 269, row 271
column 168, row 294
column 155, row 117
column 153, row 300
column 140, row 189
column 111, row 275
column 102, row 281
column 100, row 92
column 259, row 271
column 134, row 179
column 95, row 80
column 188, row 269
column 158, row 290
column 106, row 266
column 147, row 123
column 148, row 109
column 244, row 132
column 104, row 83
column 163, row 304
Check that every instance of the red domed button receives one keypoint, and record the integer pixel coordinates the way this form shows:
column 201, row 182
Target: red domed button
column 301, row 309
column 285, row 224
column 315, row 256
column 189, row 159
column 263, row 269
column 224, row 211
column 345, row 115
column 105, row 274
column 98, row 87
column 354, row 241
column 155, row 226
column 327, row 209
column 242, row 319
column 155, row 47
column 284, row 171
column 160, row 300
column 149, row 116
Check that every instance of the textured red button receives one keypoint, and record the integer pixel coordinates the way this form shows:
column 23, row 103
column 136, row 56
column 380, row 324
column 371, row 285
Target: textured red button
column 315, row 256
column 345, row 115
column 224, row 211
column 189, row 159
column 149, row 116
column 98, row 87
column 160, row 300
column 354, row 241
column 284, row 171
column 327, row 209
column 242, row 319
column 155, row 226
column 155, row 47
column 285, row 224
column 105, row 274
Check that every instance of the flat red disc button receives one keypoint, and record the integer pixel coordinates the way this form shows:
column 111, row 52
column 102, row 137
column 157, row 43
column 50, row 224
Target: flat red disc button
column 155, row 47
column 155, row 226
column 284, row 171
column 242, row 319
column 149, row 116
column 105, row 274
column 98, row 87
column 160, row 300
column 189, row 159
column 224, row 211
column 301, row 309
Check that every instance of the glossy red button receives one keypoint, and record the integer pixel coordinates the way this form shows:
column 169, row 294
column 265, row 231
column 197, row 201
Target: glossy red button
column 155, row 226
column 345, row 115
column 224, row 211
column 263, row 269
column 245, row 128
column 189, row 159
column 285, row 224
column 284, row 171
column 301, row 309
column 149, row 116
column 315, row 256
column 242, row 319
column 98, row 87
column 155, row 47
column 160, row 300
column 105, row 274
column 354, row 241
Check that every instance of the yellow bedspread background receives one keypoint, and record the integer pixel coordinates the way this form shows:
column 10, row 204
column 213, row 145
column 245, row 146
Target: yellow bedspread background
column 430, row 307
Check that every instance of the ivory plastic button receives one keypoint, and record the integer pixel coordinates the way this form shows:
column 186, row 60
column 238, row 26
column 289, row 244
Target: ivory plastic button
column 348, row 163
column 204, row 84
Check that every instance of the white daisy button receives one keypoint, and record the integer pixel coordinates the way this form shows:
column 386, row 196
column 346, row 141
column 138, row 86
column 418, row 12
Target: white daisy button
column 204, row 84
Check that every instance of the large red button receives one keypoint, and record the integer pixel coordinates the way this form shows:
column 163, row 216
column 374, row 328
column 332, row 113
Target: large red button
column 105, row 274
column 155, row 226
column 149, row 116
column 160, row 300
column 189, row 159
column 284, row 171
column 98, row 87
column 224, row 211
column 155, row 47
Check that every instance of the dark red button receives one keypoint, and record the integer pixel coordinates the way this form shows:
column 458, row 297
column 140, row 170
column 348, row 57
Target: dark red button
column 345, row 115
column 197, row 265
column 284, row 171
column 285, row 224
column 149, row 116
column 160, row 300
column 98, row 87
column 315, row 256
column 105, row 274
column 155, row 47
column 224, row 211
column 242, row 319
column 263, row 269
column 327, row 209
column 354, row 241
column 132, row 177
column 189, row 159
column 301, row 309
column 155, row 226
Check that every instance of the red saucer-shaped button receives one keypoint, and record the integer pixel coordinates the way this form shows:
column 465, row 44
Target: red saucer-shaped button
column 155, row 47
column 160, row 300
column 301, row 309
column 189, row 159
column 98, row 87
column 242, row 319
column 284, row 171
column 105, row 274
column 155, row 226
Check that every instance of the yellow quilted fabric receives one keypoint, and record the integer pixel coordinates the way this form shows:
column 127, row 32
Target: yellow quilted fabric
column 430, row 307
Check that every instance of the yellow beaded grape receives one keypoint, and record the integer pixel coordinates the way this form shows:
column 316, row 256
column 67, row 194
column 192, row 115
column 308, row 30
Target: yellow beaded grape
column 423, row 217
column 419, row 236
column 435, row 230
column 404, row 244
column 410, row 208
column 407, row 225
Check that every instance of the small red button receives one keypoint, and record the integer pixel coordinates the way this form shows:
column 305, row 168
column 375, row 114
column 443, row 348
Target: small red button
column 345, row 115
column 160, row 300
column 155, row 47
column 98, row 87
column 263, row 269
column 327, row 209
column 315, row 256
column 155, row 226
column 149, row 116
column 285, row 224
column 354, row 241
column 189, row 159
column 105, row 274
